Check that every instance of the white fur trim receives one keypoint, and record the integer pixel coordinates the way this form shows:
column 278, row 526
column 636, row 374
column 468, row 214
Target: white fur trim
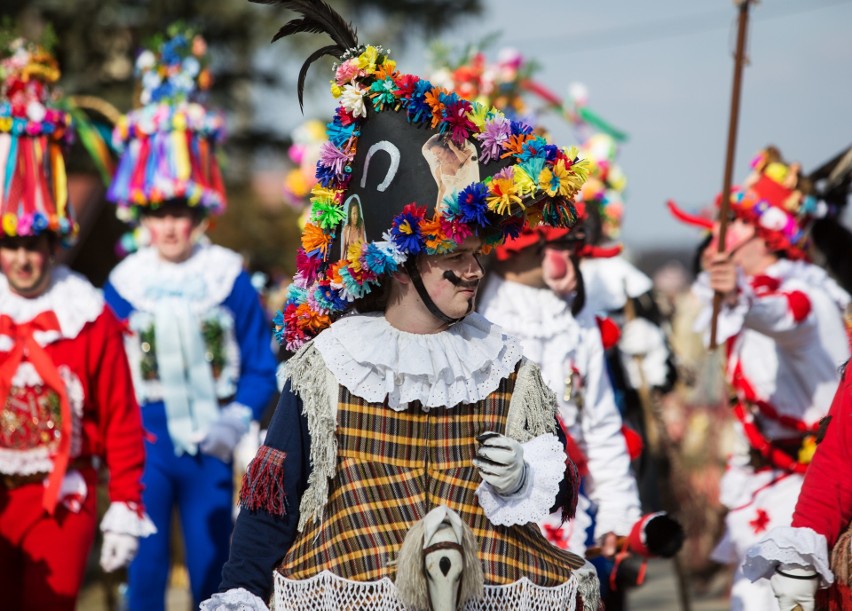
column 205, row 279
column 123, row 518
column 545, row 460
column 38, row 459
column 70, row 296
column 463, row 364
column 788, row 545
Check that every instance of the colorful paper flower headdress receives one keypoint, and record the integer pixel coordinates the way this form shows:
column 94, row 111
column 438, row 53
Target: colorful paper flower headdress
column 33, row 187
column 409, row 168
column 776, row 200
column 505, row 85
column 169, row 144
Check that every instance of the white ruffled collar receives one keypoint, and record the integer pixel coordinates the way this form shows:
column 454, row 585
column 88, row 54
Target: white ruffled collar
column 609, row 281
column 528, row 312
column 205, row 279
column 374, row 360
column 70, row 296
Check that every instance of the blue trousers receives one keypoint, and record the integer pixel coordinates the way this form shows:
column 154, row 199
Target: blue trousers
column 202, row 488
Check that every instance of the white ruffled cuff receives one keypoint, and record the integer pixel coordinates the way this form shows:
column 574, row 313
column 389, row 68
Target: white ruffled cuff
column 731, row 318
column 788, row 545
column 125, row 519
column 235, row 599
column 545, row 467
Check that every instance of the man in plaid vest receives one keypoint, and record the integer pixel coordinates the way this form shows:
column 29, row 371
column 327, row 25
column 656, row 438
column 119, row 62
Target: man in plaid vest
column 399, row 399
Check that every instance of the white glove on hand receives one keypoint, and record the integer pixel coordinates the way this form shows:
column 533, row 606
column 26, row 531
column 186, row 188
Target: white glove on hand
column 224, row 434
column 794, row 586
column 500, row 461
column 118, row 550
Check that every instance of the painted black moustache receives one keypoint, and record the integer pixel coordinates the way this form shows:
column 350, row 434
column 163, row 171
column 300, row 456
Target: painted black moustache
column 456, row 281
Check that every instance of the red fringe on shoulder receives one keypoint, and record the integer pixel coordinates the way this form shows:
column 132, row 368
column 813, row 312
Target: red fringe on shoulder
column 263, row 484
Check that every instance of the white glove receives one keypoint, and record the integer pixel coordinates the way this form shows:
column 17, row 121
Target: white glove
column 224, row 434
column 793, row 586
column 118, row 550
column 500, row 461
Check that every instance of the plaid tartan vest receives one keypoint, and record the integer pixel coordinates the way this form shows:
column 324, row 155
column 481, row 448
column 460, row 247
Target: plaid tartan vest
column 392, row 469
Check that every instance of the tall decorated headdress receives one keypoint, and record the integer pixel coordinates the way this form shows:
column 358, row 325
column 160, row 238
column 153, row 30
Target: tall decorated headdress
column 604, row 190
column 507, row 85
column 423, row 167
column 776, row 200
column 33, row 133
column 169, row 144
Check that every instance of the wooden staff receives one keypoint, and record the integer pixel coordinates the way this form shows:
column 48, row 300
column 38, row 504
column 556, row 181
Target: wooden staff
column 739, row 61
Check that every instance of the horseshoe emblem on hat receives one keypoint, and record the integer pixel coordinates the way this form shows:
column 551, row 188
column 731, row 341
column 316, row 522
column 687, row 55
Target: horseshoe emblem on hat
column 393, row 152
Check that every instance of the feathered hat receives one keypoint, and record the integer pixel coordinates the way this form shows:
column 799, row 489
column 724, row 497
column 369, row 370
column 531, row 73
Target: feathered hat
column 33, row 187
column 169, row 144
column 424, row 167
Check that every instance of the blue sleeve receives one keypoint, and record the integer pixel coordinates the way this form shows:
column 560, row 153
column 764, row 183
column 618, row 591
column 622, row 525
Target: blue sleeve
column 261, row 539
column 254, row 337
column 119, row 306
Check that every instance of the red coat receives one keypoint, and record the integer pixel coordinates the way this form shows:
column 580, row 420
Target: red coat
column 825, row 503
column 84, row 346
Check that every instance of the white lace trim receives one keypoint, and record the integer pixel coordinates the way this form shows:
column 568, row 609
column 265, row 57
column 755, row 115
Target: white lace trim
column 529, row 311
column 373, row 360
column 70, row 296
column 122, row 518
column 788, row 545
column 328, row 591
column 235, row 599
column 545, row 460
column 205, row 279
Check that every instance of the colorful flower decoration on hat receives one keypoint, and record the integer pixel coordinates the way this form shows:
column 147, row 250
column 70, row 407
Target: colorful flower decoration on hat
column 169, row 144
column 606, row 184
column 775, row 200
column 535, row 185
column 509, row 84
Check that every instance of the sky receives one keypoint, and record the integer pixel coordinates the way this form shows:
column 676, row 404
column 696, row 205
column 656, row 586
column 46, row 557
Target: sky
column 662, row 71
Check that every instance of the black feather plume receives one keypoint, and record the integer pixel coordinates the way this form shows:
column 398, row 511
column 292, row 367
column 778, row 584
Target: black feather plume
column 300, row 87
column 317, row 17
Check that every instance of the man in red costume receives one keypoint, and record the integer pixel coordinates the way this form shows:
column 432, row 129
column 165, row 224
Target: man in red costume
column 65, row 389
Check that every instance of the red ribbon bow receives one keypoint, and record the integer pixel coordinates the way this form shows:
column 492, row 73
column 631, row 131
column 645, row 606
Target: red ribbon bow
column 27, row 348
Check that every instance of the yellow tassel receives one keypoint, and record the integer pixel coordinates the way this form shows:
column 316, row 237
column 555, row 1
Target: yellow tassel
column 60, row 183
column 181, row 154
